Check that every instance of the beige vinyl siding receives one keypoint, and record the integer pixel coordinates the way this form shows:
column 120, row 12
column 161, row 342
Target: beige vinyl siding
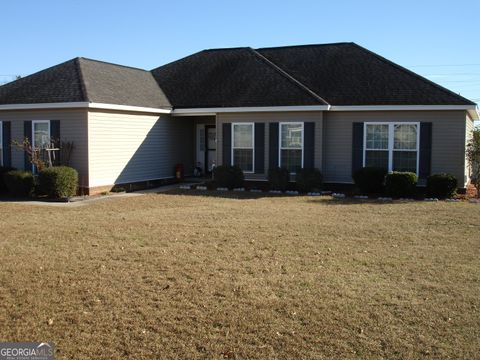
column 129, row 147
column 448, row 140
column 73, row 127
column 267, row 118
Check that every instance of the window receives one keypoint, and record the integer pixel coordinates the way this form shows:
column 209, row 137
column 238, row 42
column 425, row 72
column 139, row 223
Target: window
column 1, row 143
column 392, row 146
column 291, row 146
column 41, row 133
column 41, row 138
column 242, row 146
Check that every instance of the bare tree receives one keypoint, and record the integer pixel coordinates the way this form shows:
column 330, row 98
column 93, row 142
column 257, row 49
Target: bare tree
column 473, row 156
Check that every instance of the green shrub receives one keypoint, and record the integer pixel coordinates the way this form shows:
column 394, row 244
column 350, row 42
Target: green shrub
column 228, row 176
column 3, row 171
column 278, row 178
column 309, row 180
column 58, row 182
column 19, row 183
column 401, row 184
column 441, row 185
column 370, row 180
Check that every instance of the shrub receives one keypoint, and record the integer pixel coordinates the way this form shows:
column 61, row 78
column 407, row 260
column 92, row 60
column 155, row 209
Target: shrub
column 228, row 176
column 370, row 180
column 19, row 183
column 441, row 185
column 58, row 182
column 309, row 180
column 278, row 178
column 3, row 171
column 401, row 184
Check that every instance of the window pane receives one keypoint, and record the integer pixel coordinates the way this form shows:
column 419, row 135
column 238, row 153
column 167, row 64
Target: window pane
column 243, row 136
column 243, row 158
column 377, row 159
column 41, row 136
column 377, row 137
column 291, row 136
column 405, row 161
column 291, row 159
column 405, row 137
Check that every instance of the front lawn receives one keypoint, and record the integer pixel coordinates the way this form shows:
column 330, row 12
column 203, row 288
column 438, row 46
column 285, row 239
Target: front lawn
column 182, row 276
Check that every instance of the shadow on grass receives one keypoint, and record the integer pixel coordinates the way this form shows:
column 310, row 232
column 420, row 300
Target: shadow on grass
column 239, row 195
column 320, row 200
column 351, row 201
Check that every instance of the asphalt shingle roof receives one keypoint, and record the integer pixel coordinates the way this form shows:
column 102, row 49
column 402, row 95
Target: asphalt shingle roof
column 60, row 83
column 348, row 74
column 121, row 85
column 85, row 80
column 335, row 74
column 229, row 78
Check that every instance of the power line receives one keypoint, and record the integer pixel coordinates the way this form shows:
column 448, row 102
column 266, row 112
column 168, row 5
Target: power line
column 441, row 65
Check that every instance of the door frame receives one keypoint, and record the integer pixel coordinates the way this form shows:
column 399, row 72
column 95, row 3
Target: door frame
column 207, row 149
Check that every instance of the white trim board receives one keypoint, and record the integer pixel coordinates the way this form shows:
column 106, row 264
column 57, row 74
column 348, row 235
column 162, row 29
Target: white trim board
column 85, row 105
column 213, row 111
column 472, row 109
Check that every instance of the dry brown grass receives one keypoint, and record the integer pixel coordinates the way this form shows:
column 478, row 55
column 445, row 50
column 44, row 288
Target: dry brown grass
column 179, row 276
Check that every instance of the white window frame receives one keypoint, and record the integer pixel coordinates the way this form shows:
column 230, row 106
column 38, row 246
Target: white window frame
column 33, row 133
column 1, row 143
column 243, row 148
column 280, row 148
column 391, row 141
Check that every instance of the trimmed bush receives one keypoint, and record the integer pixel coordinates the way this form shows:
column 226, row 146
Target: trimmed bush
column 228, row 176
column 309, row 180
column 58, row 182
column 370, row 180
column 3, row 171
column 19, row 183
column 278, row 178
column 401, row 184
column 441, row 185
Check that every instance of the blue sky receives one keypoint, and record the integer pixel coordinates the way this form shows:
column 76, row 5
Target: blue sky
column 438, row 39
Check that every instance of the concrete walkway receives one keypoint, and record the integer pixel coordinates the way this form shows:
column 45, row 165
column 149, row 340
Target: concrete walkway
column 80, row 201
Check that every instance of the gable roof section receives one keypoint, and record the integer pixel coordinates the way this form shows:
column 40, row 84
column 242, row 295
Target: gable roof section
column 235, row 77
column 85, row 80
column 121, row 85
column 348, row 74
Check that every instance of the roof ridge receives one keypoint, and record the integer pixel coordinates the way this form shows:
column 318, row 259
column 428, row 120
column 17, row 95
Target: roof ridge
column 411, row 73
column 113, row 64
column 83, row 85
column 305, row 45
column 289, row 77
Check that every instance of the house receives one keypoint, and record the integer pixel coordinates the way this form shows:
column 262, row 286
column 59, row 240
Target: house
column 336, row 107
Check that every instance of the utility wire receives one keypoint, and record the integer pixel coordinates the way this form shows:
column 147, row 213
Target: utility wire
column 442, row 65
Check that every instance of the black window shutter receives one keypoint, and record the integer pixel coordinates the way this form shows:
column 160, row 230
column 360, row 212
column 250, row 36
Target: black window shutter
column 227, row 144
column 27, row 134
column 357, row 146
column 6, row 142
column 309, row 145
column 259, row 148
column 273, row 145
column 425, row 156
column 55, row 136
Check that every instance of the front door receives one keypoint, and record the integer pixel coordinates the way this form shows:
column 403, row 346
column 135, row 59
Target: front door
column 210, row 148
